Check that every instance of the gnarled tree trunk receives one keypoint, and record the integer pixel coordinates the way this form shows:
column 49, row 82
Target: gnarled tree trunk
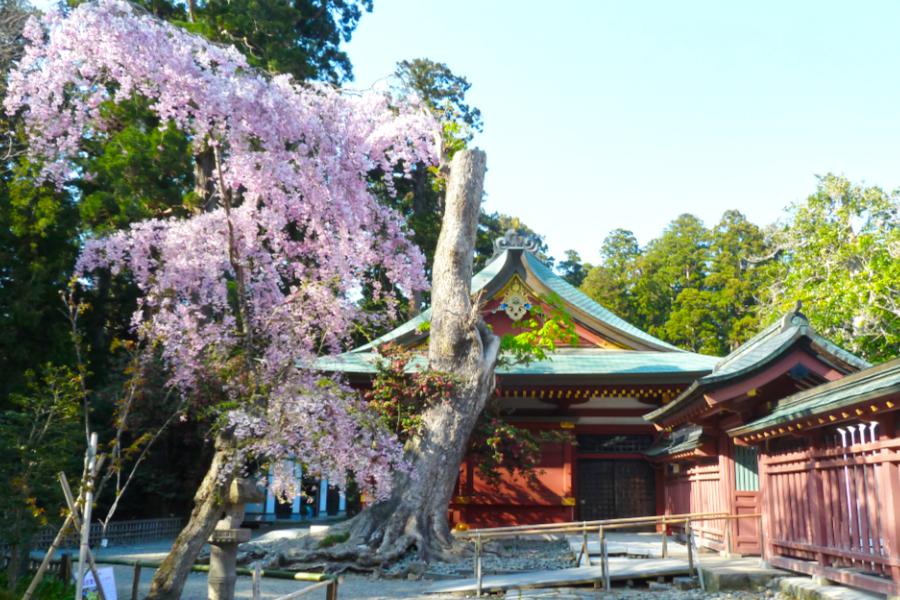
column 168, row 580
column 459, row 343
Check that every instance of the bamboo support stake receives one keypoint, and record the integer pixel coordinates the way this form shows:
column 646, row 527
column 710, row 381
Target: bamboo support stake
column 76, row 520
column 694, row 562
column 54, row 546
column 308, row 589
column 56, row 543
column 84, row 548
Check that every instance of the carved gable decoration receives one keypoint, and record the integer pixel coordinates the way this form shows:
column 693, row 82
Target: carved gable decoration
column 515, row 301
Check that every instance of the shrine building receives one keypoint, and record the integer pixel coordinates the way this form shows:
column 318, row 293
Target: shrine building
column 599, row 390
column 793, row 428
column 794, row 437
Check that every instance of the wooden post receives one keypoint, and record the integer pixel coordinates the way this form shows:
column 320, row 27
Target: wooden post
column 478, row 565
column 728, row 549
column 759, row 531
column 604, row 561
column 331, row 591
column 256, row 576
column 65, row 567
column 690, row 548
column 816, row 497
column 136, row 581
column 766, row 506
column 85, row 546
column 665, row 541
column 692, row 566
column 890, row 496
column 584, row 546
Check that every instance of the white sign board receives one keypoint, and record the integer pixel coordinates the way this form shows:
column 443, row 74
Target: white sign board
column 107, row 580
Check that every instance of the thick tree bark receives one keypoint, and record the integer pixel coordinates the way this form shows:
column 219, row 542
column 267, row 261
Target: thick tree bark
column 168, row 581
column 415, row 516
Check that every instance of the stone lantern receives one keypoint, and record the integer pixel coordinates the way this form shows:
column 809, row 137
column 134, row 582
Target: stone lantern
column 226, row 537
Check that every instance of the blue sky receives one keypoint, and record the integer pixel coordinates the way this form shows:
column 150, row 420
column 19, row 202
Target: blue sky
column 601, row 115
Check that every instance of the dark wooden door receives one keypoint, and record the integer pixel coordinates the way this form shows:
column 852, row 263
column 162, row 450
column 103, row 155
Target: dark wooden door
column 615, row 489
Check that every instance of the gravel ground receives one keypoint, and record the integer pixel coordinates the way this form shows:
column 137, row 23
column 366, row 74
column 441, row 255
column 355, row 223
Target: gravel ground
column 499, row 557
column 508, row 556
column 352, row 587
column 359, row 587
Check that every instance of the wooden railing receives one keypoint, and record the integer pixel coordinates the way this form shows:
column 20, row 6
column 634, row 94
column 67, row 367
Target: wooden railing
column 479, row 536
column 319, row 580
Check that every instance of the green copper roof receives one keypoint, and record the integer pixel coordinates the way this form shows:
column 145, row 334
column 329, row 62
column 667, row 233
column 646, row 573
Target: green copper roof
column 654, row 356
column 760, row 350
column 571, row 295
column 565, row 361
column 479, row 281
column 862, row 386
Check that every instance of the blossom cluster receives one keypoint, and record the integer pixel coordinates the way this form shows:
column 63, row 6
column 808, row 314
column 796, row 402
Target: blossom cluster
column 304, row 232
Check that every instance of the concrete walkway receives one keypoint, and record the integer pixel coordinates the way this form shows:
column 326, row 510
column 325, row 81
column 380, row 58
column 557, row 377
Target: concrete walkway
column 635, row 545
column 806, row 587
column 620, row 568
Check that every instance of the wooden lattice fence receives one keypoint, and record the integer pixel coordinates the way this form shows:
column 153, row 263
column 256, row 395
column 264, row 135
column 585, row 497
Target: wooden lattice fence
column 118, row 533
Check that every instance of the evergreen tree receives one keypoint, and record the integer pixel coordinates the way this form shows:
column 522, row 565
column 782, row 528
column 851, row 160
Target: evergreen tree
column 611, row 283
column 572, row 269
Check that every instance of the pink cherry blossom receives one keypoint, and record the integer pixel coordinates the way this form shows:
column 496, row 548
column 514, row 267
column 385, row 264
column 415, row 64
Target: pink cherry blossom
column 307, row 232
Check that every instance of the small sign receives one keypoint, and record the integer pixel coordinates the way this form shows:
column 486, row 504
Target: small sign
column 107, row 580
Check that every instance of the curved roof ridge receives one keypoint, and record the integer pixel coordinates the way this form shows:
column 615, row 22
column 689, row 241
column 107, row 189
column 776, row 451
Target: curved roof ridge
column 479, row 281
column 569, row 293
column 757, row 352
column 575, row 296
column 862, row 386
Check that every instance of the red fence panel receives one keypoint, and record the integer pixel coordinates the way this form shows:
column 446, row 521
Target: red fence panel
column 697, row 489
column 837, row 506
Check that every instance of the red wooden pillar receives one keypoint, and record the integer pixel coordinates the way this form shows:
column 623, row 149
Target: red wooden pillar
column 766, row 504
column 569, row 475
column 727, row 485
column 890, row 496
column 660, row 475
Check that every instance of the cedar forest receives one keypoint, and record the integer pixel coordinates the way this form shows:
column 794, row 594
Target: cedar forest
column 69, row 348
